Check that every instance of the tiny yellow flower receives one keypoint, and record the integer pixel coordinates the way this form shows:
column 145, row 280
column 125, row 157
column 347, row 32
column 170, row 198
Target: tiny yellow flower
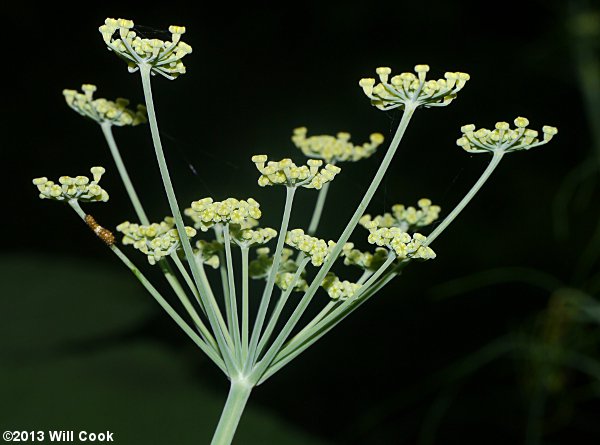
column 364, row 260
column 502, row 138
column 78, row 188
column 337, row 289
column 405, row 218
column 408, row 88
column 335, row 149
column 401, row 243
column 285, row 172
column 164, row 57
column 261, row 267
column 156, row 240
column 102, row 110
column 206, row 213
column 317, row 249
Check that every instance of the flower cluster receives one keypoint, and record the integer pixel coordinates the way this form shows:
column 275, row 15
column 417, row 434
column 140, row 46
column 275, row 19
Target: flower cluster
column 337, row 289
column 78, row 188
column 156, row 240
column 287, row 173
column 206, row 213
column 335, row 149
column 503, row 138
column 405, row 218
column 164, row 57
column 207, row 252
column 406, row 88
column 250, row 237
column 364, row 260
column 103, row 110
column 261, row 266
column 400, row 242
column 317, row 249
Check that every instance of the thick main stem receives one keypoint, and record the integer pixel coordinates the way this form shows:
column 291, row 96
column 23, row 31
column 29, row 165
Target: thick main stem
column 496, row 158
column 211, row 309
column 239, row 392
column 114, row 150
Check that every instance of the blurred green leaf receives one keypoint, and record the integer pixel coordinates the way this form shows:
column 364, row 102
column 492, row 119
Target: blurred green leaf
column 140, row 392
column 47, row 302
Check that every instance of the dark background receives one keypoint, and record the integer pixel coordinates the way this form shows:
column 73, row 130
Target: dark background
column 406, row 367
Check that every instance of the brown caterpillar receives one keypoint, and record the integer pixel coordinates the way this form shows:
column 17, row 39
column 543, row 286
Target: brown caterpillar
column 102, row 233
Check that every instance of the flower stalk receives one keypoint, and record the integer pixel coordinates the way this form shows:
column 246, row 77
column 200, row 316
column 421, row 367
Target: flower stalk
column 249, row 350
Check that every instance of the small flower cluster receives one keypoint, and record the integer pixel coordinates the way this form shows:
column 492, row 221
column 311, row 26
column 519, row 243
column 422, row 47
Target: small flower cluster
column 503, row 138
column 406, row 88
column 251, row 237
column 163, row 57
column 400, row 242
column 317, row 249
column 206, row 213
column 337, row 289
column 405, row 218
column 156, row 240
column 261, row 266
column 78, row 188
column 364, row 260
column 285, row 172
column 103, row 110
column 207, row 252
column 335, row 149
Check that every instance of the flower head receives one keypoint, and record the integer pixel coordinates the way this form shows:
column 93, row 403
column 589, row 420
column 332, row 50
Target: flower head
column 206, row 213
column 408, row 88
column 207, row 252
column 365, row 260
column 261, row 267
column 156, row 240
column 401, row 243
column 79, row 188
column 102, row 110
column 164, row 57
column 503, row 138
column 250, row 237
column 317, row 249
column 335, row 149
column 285, row 172
column 337, row 289
column 405, row 218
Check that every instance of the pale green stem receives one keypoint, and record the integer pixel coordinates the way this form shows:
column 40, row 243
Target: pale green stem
column 188, row 280
column 135, row 201
column 289, row 353
column 185, row 241
column 160, row 300
column 496, row 158
column 223, row 270
column 364, row 277
column 328, row 307
column 332, row 257
column 245, row 303
column 279, row 307
column 233, row 323
column 114, row 150
column 212, row 299
column 316, row 216
column 309, row 331
column 268, row 291
column 187, row 304
column 239, row 393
